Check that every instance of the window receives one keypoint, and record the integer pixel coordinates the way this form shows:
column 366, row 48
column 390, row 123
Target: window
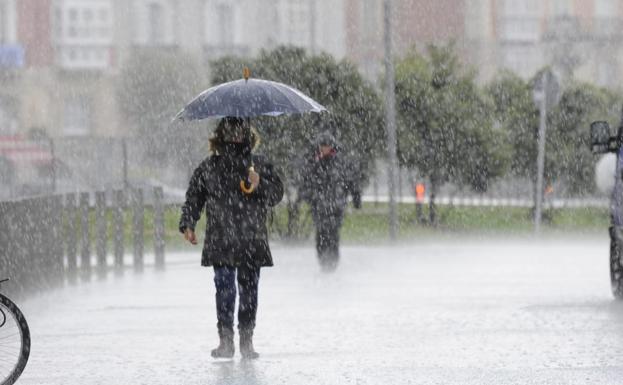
column 58, row 23
column 370, row 21
column 79, row 21
column 4, row 19
column 77, row 116
column 298, row 22
column 514, row 8
column 155, row 34
column 561, row 8
column 223, row 27
column 81, row 28
column 225, row 17
column 8, row 116
column 154, row 22
column 520, row 29
column 606, row 8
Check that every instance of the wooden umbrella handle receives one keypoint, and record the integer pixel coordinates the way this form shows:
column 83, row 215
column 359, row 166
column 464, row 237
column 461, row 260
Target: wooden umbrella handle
column 243, row 185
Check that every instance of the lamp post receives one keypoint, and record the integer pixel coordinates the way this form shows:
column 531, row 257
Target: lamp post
column 546, row 94
column 390, row 120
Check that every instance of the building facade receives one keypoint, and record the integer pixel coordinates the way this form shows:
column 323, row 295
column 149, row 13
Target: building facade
column 578, row 38
column 60, row 59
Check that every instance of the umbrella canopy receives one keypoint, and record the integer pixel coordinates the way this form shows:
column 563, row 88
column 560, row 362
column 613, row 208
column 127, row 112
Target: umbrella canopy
column 247, row 98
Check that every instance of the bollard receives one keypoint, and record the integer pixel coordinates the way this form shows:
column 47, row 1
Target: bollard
column 138, row 224
column 159, row 227
column 85, row 246
column 118, row 210
column 101, row 233
column 71, row 236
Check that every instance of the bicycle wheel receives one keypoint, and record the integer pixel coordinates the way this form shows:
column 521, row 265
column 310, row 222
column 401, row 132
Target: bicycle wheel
column 14, row 341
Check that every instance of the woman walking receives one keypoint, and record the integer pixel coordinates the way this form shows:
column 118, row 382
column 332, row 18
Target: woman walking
column 237, row 189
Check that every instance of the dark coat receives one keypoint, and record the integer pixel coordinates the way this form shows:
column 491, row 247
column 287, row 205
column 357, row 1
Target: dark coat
column 236, row 230
column 327, row 182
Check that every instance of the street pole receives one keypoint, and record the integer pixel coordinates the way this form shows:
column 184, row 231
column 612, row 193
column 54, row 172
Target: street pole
column 541, row 156
column 53, row 170
column 390, row 118
column 124, row 148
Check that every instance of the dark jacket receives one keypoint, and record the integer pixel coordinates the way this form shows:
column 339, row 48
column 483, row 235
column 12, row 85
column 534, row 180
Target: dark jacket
column 327, row 182
column 236, row 230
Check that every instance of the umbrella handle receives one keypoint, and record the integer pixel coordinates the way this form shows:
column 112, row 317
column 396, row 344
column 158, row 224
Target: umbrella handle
column 243, row 185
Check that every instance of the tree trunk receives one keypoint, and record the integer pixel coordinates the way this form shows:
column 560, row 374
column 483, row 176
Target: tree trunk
column 432, row 210
column 293, row 220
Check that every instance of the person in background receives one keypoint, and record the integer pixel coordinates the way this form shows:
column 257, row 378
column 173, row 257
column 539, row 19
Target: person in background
column 327, row 180
column 237, row 189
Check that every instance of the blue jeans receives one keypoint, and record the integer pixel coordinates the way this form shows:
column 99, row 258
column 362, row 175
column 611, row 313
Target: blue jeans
column 225, row 282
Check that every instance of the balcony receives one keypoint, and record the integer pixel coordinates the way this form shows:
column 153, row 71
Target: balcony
column 83, row 57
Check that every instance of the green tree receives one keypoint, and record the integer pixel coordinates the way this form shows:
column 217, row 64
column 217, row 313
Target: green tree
column 568, row 140
column 355, row 111
column 152, row 87
column 514, row 110
column 445, row 130
column 567, row 152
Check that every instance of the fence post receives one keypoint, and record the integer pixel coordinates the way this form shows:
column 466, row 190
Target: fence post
column 25, row 253
column 71, row 236
column 159, row 227
column 119, row 207
column 21, row 245
column 44, row 241
column 85, row 241
column 56, row 209
column 101, row 233
column 138, row 224
column 5, row 238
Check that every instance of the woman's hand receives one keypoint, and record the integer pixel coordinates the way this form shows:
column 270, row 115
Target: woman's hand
column 254, row 179
column 189, row 235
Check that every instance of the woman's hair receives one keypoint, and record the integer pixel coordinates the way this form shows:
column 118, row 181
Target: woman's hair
column 226, row 127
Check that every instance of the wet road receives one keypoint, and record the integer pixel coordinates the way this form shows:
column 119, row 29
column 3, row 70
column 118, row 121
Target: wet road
column 470, row 312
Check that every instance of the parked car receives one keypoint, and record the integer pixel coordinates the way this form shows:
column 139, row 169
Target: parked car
column 601, row 143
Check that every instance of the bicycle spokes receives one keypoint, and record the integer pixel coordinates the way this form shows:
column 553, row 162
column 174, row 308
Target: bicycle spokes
column 14, row 341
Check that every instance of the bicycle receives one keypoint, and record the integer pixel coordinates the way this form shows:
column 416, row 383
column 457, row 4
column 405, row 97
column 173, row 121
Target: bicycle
column 14, row 340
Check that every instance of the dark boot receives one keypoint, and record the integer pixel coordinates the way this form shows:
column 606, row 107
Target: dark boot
column 226, row 346
column 246, row 344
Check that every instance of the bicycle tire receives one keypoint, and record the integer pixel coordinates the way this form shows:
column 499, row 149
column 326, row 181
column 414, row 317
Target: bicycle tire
column 24, row 352
column 616, row 269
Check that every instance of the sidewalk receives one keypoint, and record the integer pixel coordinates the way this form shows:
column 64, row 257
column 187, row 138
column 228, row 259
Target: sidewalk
column 477, row 312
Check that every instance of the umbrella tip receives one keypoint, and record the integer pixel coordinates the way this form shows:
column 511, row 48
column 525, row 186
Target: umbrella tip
column 246, row 73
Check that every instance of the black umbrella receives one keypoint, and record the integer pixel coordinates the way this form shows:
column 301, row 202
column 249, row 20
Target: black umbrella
column 247, row 98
